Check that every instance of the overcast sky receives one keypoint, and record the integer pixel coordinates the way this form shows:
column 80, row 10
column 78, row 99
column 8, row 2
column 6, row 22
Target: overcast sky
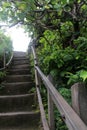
column 19, row 38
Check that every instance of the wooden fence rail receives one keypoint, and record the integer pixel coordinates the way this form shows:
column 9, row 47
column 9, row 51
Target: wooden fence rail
column 70, row 117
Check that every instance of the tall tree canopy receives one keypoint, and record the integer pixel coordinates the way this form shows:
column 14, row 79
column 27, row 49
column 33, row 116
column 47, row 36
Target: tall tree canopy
column 40, row 15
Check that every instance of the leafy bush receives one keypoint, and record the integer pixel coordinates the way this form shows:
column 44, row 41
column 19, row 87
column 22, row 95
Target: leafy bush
column 80, row 76
column 60, row 125
column 5, row 47
column 63, row 63
column 2, row 75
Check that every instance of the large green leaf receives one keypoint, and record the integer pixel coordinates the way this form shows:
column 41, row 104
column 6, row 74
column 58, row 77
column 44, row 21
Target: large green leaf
column 83, row 74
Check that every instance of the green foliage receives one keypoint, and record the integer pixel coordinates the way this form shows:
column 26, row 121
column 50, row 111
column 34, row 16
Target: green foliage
column 66, row 28
column 2, row 76
column 60, row 125
column 66, row 93
column 60, row 30
column 5, row 47
column 83, row 75
column 32, row 90
column 81, row 43
column 61, row 62
column 80, row 76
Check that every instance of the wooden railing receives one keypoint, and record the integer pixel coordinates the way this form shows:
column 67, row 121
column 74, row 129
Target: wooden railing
column 5, row 65
column 69, row 116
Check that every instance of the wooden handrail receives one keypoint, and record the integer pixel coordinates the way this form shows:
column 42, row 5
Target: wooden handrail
column 72, row 120
column 43, row 117
column 34, row 54
column 9, row 60
column 70, row 117
column 7, row 64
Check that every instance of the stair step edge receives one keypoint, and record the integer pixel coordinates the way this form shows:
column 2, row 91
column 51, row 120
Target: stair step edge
column 16, row 96
column 14, row 75
column 17, row 83
column 19, row 113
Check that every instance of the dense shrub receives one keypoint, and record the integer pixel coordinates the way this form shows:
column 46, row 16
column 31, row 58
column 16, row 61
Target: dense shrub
column 5, row 47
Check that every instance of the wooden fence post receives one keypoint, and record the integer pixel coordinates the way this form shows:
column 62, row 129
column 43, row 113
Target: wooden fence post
column 79, row 100
column 50, row 110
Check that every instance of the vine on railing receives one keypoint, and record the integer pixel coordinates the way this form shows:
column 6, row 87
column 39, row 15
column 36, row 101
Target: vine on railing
column 69, row 116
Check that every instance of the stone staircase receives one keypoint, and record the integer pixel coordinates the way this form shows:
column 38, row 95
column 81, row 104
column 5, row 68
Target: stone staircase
column 17, row 103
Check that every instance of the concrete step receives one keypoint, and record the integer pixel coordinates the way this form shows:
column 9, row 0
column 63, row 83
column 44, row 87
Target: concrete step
column 17, row 105
column 23, row 128
column 20, row 62
column 18, row 78
column 19, row 71
column 24, row 66
column 20, row 58
column 16, row 88
column 19, row 54
column 11, row 103
column 19, row 119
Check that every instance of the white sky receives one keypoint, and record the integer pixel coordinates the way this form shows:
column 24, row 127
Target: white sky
column 19, row 38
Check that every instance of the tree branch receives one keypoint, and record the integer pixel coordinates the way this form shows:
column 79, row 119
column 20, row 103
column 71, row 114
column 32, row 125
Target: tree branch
column 38, row 4
column 14, row 24
column 81, row 4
